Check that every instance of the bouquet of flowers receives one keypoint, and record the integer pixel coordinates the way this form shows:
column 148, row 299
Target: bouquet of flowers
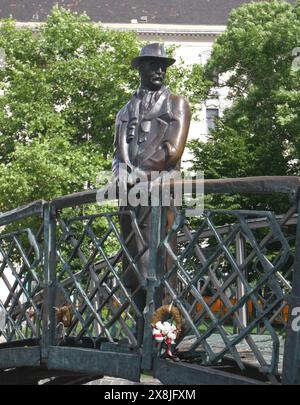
column 165, row 332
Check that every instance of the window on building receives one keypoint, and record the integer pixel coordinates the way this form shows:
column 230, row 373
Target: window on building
column 211, row 115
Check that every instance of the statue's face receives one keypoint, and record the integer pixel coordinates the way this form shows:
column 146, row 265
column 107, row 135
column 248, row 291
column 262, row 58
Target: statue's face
column 153, row 73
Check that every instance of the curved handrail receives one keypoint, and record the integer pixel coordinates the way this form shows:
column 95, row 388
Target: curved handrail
column 260, row 185
column 34, row 208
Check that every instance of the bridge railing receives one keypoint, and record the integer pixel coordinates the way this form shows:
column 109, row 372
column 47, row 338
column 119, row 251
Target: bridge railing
column 63, row 272
column 21, row 274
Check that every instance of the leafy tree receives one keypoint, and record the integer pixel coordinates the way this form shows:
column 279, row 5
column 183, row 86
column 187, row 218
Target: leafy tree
column 259, row 134
column 63, row 87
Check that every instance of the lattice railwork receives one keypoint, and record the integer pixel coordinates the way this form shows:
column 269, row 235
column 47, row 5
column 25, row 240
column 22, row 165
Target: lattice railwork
column 232, row 286
column 92, row 263
column 21, row 278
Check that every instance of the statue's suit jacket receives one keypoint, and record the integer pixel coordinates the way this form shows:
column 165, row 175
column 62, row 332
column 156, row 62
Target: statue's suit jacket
column 158, row 136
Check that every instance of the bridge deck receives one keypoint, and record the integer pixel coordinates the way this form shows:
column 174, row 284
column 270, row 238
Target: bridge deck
column 263, row 342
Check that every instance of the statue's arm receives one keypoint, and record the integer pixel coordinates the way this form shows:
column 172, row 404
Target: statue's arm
column 178, row 130
column 120, row 154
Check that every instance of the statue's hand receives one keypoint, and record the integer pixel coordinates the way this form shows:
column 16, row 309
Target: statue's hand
column 170, row 150
column 137, row 175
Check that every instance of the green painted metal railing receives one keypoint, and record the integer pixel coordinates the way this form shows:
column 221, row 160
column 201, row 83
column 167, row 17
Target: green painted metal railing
column 234, row 285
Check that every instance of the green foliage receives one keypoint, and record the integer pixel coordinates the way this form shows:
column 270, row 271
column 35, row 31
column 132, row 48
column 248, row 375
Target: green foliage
column 189, row 81
column 63, row 87
column 259, row 134
column 47, row 168
column 70, row 77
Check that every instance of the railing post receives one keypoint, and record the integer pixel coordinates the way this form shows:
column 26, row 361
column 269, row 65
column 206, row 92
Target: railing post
column 291, row 360
column 152, row 284
column 241, row 290
column 48, row 337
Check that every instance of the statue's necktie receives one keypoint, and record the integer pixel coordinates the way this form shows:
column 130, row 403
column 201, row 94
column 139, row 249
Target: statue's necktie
column 147, row 101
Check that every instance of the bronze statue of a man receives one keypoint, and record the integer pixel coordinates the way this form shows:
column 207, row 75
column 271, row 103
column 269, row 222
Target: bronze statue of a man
column 151, row 133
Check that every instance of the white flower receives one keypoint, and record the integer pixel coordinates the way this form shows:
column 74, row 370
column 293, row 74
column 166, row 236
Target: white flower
column 173, row 328
column 164, row 328
column 157, row 335
column 171, row 335
column 167, row 329
column 159, row 325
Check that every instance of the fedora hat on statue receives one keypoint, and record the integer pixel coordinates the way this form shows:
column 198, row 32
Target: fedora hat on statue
column 152, row 51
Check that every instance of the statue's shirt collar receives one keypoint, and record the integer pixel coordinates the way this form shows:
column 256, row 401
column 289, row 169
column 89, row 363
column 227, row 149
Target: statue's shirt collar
column 141, row 93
